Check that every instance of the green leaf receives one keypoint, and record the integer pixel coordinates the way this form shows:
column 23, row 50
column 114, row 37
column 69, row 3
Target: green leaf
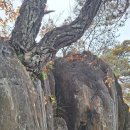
column 43, row 75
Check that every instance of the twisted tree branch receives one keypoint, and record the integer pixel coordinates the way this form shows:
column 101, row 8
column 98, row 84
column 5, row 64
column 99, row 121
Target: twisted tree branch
column 68, row 34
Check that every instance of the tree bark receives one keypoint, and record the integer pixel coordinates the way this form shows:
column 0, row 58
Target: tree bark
column 27, row 25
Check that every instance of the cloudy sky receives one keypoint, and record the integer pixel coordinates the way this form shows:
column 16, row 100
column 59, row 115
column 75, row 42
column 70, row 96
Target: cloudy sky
column 63, row 9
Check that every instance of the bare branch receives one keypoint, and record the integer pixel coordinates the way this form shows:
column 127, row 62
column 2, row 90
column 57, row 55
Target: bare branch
column 48, row 11
column 28, row 24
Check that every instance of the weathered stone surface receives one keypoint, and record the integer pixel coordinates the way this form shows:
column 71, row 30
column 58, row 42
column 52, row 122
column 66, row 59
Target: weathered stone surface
column 127, row 126
column 22, row 106
column 60, row 124
column 88, row 93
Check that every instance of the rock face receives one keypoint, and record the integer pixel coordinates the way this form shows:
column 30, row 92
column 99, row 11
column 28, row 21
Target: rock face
column 60, row 124
column 22, row 105
column 88, row 93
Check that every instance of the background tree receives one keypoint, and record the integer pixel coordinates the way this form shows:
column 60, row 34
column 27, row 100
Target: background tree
column 8, row 17
column 118, row 59
column 120, row 65
column 123, row 49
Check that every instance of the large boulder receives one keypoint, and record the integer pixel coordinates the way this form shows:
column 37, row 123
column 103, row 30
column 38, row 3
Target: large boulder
column 88, row 94
column 22, row 102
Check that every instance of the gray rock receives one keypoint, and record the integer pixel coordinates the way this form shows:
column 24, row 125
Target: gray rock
column 60, row 124
column 89, row 94
column 21, row 105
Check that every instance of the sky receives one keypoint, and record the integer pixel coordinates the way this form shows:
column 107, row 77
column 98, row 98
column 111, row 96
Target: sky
column 124, row 32
column 63, row 9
